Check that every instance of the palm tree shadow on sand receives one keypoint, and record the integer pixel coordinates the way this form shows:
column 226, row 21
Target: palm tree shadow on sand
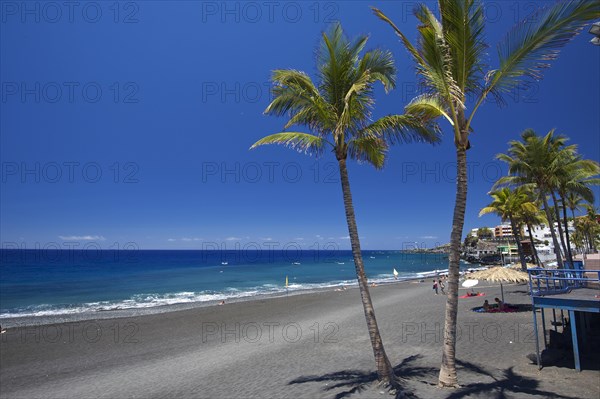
column 504, row 387
column 356, row 381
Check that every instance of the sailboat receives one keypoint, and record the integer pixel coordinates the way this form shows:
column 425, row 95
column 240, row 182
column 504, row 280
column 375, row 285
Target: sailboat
column 395, row 274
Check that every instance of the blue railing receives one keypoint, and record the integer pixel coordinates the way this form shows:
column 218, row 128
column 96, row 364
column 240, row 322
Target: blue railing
column 560, row 281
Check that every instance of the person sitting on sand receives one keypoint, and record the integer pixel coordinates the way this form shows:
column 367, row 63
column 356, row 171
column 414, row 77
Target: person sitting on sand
column 486, row 306
column 222, row 303
column 501, row 305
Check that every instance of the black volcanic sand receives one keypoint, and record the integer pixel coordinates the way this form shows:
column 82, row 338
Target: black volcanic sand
column 302, row 346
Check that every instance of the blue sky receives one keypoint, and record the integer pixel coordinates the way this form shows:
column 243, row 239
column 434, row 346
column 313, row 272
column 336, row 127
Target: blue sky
column 131, row 125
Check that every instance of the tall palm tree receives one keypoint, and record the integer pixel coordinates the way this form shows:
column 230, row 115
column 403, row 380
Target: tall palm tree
column 450, row 60
column 511, row 205
column 338, row 113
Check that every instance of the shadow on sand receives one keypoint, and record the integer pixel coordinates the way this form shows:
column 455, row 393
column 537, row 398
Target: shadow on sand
column 505, row 386
column 356, row 381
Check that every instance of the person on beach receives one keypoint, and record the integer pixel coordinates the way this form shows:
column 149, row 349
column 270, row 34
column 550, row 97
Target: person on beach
column 486, row 306
column 501, row 305
column 442, row 286
column 435, row 287
column 222, row 303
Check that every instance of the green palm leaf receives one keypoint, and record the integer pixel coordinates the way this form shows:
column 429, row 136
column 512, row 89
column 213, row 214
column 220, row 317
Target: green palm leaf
column 402, row 129
column 368, row 149
column 302, row 142
column 428, row 107
column 463, row 25
column 530, row 45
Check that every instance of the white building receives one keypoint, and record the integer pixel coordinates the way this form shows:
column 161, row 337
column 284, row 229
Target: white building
column 542, row 233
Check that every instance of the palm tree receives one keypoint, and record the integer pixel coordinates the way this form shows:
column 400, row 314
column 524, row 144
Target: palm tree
column 574, row 202
column 338, row 112
column 575, row 177
column 554, row 169
column 449, row 57
column 587, row 229
column 535, row 162
column 511, row 205
column 533, row 218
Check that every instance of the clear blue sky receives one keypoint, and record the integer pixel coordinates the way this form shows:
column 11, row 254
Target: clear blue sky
column 115, row 132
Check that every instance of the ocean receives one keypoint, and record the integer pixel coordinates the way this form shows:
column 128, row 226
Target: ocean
column 50, row 283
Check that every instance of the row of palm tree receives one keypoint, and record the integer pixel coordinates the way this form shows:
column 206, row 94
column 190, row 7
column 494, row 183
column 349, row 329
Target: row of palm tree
column 449, row 54
column 587, row 230
column 547, row 171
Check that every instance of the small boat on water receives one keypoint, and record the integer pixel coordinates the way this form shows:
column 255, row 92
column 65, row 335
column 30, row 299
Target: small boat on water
column 224, row 263
column 296, row 263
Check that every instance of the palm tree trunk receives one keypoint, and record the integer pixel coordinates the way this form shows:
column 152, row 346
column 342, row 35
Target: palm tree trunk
column 385, row 371
column 536, row 258
column 566, row 222
column 552, row 232
column 447, row 376
column 561, row 234
column 517, row 236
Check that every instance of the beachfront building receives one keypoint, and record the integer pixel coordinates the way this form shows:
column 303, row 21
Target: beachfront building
column 510, row 250
column 503, row 230
column 543, row 237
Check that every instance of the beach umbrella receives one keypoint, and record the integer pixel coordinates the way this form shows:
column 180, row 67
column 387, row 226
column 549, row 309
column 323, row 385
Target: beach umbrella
column 517, row 266
column 470, row 283
column 501, row 275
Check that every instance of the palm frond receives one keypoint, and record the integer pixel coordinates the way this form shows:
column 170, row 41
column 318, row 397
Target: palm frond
column 368, row 149
column 402, row 129
column 407, row 44
column 527, row 49
column 428, row 107
column 359, row 85
column 380, row 65
column 302, row 142
column 463, row 24
column 438, row 68
column 487, row 210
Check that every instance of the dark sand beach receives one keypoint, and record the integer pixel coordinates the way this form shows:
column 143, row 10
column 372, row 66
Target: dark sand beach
column 303, row 346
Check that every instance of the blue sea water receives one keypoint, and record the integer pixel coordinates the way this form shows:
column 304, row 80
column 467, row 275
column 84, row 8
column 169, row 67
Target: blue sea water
column 62, row 282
